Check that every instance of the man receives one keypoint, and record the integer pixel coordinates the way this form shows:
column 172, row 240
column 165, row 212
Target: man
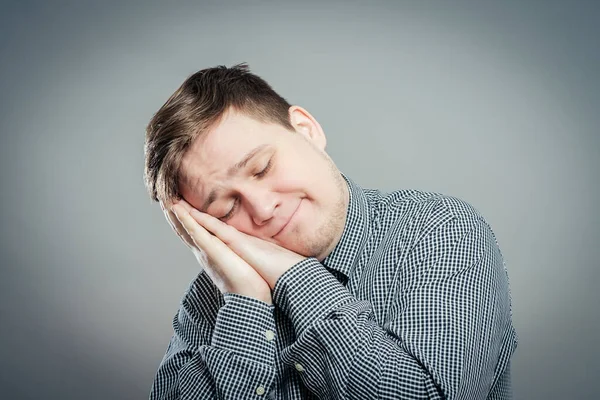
column 312, row 287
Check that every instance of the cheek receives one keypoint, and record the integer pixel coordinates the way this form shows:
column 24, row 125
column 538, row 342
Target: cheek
column 243, row 224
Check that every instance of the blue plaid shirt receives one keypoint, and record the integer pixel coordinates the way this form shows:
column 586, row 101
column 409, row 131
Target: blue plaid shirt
column 413, row 303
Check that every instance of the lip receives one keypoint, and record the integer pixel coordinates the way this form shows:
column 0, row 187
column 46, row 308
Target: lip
column 289, row 220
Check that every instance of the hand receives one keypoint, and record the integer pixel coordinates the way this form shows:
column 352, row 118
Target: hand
column 229, row 272
column 183, row 235
column 180, row 231
column 268, row 259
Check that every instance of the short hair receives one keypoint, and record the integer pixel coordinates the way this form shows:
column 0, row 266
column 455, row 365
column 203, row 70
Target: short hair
column 196, row 106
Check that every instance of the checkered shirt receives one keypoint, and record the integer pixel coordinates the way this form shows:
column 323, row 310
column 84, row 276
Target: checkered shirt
column 413, row 303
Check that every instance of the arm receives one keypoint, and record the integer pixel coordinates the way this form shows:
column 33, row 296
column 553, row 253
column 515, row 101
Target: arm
column 441, row 339
column 207, row 357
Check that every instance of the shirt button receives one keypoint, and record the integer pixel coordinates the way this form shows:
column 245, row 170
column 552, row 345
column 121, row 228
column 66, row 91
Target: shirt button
column 270, row 335
column 299, row 367
column 260, row 390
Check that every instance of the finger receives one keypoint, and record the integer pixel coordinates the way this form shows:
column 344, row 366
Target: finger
column 225, row 232
column 200, row 236
column 179, row 229
column 170, row 220
column 168, row 214
column 187, row 206
column 205, row 241
column 211, row 224
column 226, row 264
column 176, row 226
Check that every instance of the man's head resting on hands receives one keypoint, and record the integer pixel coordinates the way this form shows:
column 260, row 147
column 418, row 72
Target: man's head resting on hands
column 228, row 144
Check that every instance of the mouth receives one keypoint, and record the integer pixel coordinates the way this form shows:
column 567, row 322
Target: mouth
column 289, row 220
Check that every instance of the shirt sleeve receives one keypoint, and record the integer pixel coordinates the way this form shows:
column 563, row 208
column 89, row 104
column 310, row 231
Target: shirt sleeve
column 443, row 337
column 231, row 358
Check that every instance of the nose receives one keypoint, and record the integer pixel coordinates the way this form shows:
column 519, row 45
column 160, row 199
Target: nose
column 261, row 203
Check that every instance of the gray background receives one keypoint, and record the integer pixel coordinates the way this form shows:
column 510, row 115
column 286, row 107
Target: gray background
column 496, row 103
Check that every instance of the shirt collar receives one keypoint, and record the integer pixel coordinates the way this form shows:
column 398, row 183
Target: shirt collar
column 345, row 255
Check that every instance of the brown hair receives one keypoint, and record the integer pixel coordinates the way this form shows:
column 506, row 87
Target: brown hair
column 192, row 109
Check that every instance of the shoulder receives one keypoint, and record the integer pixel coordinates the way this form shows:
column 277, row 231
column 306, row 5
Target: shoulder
column 416, row 221
column 424, row 209
column 435, row 235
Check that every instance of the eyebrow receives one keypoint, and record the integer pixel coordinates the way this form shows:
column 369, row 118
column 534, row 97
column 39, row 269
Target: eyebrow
column 232, row 171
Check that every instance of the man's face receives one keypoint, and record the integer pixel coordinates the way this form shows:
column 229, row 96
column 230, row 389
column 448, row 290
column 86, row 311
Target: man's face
column 288, row 192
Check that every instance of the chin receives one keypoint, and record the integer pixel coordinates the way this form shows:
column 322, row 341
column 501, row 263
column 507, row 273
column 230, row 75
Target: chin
column 307, row 244
column 293, row 244
column 310, row 248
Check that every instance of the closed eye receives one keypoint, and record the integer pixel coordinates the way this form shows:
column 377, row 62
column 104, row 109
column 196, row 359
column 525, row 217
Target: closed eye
column 265, row 170
column 260, row 174
column 230, row 213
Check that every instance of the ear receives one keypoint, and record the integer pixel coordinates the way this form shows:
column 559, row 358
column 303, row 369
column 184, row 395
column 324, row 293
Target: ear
column 306, row 125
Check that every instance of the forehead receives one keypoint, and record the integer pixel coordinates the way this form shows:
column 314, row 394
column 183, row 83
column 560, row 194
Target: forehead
column 224, row 145
column 235, row 131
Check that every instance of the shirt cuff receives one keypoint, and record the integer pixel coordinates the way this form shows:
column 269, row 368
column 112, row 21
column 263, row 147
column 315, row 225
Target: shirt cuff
column 307, row 292
column 246, row 327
